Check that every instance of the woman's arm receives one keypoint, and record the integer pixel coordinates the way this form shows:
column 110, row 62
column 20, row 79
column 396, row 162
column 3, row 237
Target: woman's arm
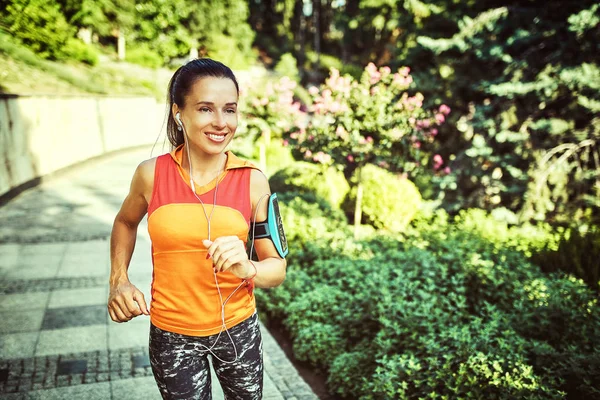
column 229, row 253
column 125, row 301
column 270, row 270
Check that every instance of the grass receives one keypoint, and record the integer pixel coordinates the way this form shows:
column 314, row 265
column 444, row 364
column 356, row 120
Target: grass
column 26, row 73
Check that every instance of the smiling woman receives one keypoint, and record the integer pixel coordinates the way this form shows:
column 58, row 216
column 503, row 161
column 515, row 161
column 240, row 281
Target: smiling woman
column 201, row 201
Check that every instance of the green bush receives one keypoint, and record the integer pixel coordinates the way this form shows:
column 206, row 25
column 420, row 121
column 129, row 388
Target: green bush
column 287, row 66
column 326, row 183
column 234, row 52
column 144, row 56
column 39, row 25
column 576, row 253
column 326, row 62
column 278, row 156
column 77, row 50
column 388, row 202
column 437, row 312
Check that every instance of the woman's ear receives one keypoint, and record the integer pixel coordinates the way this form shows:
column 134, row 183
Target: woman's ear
column 175, row 111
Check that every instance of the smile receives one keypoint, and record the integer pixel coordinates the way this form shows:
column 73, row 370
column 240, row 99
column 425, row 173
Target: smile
column 216, row 138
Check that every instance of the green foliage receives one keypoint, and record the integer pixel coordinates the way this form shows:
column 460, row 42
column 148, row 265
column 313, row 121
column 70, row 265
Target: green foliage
column 228, row 50
column 69, row 78
column 528, row 84
column 577, row 253
column 439, row 312
column 325, row 183
column 287, row 66
column 76, row 50
column 584, row 20
column 389, row 202
column 40, row 25
column 101, row 16
column 278, row 156
column 144, row 56
column 160, row 25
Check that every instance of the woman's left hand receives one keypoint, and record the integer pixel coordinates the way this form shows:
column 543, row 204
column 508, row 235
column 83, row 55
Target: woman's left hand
column 229, row 254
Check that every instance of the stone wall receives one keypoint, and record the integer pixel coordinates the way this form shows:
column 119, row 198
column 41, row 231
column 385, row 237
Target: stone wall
column 43, row 134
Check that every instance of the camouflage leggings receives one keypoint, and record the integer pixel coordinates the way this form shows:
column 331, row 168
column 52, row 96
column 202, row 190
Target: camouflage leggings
column 181, row 367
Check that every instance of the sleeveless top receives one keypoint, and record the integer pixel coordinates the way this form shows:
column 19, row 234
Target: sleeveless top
column 185, row 298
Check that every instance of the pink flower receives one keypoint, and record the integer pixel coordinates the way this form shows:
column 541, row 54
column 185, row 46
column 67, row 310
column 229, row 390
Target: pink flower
column 437, row 161
column 375, row 77
column 285, row 143
column 307, row 154
column 447, row 170
column 294, row 135
column 444, row 109
column 310, row 138
column 350, row 158
column 313, row 90
column 433, row 132
column 404, row 71
column 440, row 118
column 417, row 145
column 371, row 68
column 385, row 71
column 369, row 139
column 335, row 107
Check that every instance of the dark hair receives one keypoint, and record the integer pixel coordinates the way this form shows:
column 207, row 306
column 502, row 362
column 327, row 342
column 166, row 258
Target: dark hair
column 181, row 83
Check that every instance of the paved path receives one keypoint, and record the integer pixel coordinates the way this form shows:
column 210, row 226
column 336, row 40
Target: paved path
column 56, row 339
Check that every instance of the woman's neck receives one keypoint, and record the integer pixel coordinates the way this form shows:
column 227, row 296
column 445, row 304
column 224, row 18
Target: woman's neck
column 205, row 167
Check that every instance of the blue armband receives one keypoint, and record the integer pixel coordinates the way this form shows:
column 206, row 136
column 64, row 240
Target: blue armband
column 272, row 228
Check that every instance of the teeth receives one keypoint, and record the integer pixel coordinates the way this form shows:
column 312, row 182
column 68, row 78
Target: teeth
column 217, row 138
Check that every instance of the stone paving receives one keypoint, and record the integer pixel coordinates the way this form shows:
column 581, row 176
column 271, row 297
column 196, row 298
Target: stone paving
column 56, row 339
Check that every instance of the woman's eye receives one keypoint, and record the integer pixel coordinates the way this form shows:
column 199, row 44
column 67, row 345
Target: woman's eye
column 205, row 109
column 230, row 110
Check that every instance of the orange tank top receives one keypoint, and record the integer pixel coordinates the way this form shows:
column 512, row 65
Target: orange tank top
column 185, row 299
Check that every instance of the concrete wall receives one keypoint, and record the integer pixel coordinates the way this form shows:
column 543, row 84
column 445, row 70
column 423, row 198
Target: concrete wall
column 42, row 134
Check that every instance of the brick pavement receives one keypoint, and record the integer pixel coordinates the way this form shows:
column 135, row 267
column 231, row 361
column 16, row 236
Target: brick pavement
column 56, row 339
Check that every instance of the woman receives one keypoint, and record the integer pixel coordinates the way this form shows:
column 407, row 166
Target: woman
column 200, row 202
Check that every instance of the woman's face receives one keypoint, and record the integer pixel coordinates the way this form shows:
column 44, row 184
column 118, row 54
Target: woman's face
column 210, row 114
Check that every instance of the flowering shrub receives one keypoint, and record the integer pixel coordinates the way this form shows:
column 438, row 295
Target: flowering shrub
column 269, row 110
column 371, row 120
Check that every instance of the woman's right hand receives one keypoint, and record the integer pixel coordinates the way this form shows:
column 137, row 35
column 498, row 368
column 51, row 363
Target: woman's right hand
column 125, row 302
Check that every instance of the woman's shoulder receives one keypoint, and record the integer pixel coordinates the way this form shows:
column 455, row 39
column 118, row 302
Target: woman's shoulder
column 145, row 171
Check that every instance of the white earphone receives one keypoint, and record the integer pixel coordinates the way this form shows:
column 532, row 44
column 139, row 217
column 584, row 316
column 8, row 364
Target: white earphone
column 178, row 118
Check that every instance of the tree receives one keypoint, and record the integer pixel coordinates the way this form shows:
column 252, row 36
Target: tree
column 525, row 85
column 40, row 25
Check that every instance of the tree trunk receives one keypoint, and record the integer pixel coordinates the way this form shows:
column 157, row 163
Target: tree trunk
column 264, row 144
column 317, row 38
column 121, row 46
column 358, row 206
